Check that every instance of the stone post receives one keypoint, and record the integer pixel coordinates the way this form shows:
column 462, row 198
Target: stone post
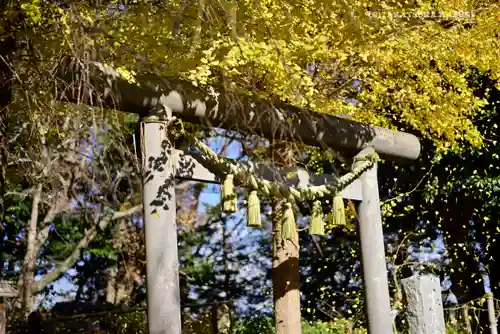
column 424, row 305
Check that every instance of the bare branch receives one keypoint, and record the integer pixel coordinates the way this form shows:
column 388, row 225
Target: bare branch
column 60, row 206
column 23, row 194
column 70, row 261
column 28, row 269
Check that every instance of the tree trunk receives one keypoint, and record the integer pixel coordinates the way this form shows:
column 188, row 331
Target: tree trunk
column 3, row 317
column 456, row 216
column 111, row 285
column 30, row 257
column 187, row 196
column 123, row 276
column 214, row 319
column 494, row 266
column 492, row 317
column 465, row 315
column 285, row 276
column 7, row 46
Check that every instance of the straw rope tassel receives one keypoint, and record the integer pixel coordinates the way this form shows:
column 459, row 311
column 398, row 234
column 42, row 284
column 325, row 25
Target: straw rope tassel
column 316, row 223
column 253, row 219
column 338, row 210
column 229, row 199
column 288, row 227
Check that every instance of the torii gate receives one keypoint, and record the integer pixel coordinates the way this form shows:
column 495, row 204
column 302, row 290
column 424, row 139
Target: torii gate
column 158, row 97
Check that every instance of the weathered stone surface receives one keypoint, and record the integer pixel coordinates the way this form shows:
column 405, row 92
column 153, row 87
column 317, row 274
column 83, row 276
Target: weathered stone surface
column 424, row 305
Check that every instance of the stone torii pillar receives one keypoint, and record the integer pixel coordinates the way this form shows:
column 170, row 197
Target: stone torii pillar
column 373, row 263
column 271, row 121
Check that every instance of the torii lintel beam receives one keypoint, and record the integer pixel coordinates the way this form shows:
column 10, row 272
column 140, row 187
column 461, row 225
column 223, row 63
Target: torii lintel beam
column 151, row 94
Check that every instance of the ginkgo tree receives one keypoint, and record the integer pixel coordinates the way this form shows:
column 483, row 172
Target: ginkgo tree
column 411, row 66
column 403, row 70
column 412, row 56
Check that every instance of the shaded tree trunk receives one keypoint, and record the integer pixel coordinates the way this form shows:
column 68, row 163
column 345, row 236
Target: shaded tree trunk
column 3, row 317
column 186, row 219
column 118, row 282
column 7, row 46
column 187, row 201
column 466, row 276
column 124, row 276
column 285, row 276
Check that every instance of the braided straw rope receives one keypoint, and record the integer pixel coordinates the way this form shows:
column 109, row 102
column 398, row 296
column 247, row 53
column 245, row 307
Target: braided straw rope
column 269, row 188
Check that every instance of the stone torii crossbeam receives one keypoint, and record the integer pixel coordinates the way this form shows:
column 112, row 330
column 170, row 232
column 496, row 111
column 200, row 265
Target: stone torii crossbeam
column 151, row 95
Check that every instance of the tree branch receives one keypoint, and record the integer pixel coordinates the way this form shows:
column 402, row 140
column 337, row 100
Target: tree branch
column 84, row 242
column 28, row 268
column 43, row 234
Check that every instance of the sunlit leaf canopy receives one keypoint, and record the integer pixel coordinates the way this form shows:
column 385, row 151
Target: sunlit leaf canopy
column 365, row 59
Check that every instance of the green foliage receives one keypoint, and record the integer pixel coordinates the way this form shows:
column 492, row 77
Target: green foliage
column 256, row 324
column 339, row 326
column 453, row 330
column 130, row 323
column 264, row 325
